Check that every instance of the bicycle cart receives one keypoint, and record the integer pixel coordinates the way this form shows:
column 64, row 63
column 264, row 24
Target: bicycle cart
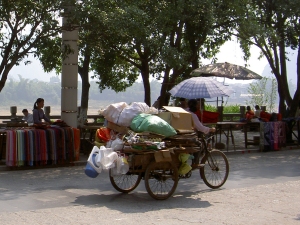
column 160, row 168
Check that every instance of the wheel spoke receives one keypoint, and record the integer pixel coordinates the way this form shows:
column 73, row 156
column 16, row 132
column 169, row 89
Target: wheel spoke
column 216, row 169
column 161, row 180
column 125, row 182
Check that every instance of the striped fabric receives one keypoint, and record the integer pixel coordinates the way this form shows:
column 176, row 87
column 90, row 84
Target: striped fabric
column 38, row 147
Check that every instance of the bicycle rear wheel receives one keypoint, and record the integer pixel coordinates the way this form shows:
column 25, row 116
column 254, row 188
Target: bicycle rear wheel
column 161, row 179
column 216, row 169
column 124, row 183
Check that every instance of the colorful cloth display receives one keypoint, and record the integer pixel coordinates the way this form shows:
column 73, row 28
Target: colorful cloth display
column 33, row 147
column 273, row 135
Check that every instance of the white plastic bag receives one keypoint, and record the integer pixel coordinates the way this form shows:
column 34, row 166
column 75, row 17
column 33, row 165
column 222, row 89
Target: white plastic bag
column 112, row 112
column 117, row 144
column 131, row 111
column 108, row 157
column 122, row 165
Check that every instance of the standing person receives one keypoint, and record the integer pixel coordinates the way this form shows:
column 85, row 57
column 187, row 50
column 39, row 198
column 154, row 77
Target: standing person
column 38, row 112
column 198, row 126
column 27, row 116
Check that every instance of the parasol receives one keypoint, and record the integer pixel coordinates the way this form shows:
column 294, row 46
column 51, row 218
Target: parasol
column 226, row 70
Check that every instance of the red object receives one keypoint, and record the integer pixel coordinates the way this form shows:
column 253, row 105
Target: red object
column 249, row 115
column 279, row 117
column 104, row 134
column 210, row 117
column 265, row 116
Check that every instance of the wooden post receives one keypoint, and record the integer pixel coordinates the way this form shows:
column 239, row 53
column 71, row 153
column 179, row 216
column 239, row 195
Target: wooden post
column 13, row 111
column 47, row 111
column 220, row 111
column 242, row 111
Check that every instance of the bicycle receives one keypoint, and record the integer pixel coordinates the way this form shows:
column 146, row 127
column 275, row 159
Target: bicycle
column 161, row 178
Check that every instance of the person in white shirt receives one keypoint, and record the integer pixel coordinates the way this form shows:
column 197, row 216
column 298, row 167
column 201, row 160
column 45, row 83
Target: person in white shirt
column 192, row 108
column 257, row 111
column 27, row 116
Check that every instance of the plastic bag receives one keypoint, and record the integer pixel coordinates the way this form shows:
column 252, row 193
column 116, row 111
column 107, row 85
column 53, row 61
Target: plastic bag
column 152, row 123
column 117, row 144
column 113, row 111
column 122, row 165
column 131, row 111
column 104, row 134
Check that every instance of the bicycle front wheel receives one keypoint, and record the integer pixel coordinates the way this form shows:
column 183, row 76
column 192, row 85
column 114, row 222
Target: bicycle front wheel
column 216, row 169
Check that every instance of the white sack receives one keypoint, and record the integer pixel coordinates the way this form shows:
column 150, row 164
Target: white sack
column 131, row 111
column 113, row 111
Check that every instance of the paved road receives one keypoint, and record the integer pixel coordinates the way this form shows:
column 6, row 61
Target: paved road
column 262, row 188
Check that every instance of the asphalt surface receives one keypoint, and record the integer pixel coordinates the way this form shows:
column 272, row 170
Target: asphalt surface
column 262, row 188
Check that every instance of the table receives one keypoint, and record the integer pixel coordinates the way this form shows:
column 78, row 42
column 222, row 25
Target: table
column 226, row 128
column 88, row 141
column 90, row 130
column 255, row 125
column 272, row 135
column 38, row 147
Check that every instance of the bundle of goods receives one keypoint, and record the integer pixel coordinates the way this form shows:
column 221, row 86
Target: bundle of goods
column 103, row 159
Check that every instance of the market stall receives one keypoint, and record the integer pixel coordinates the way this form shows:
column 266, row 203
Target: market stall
column 29, row 146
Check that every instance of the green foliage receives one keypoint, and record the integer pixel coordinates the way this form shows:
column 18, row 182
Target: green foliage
column 231, row 108
column 263, row 92
column 26, row 26
column 210, row 108
column 272, row 26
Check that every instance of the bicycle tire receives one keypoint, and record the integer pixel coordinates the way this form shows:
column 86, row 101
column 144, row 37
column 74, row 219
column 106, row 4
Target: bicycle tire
column 125, row 183
column 161, row 179
column 216, row 169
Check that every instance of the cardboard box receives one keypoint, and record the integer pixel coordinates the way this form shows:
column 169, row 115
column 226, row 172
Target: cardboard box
column 162, row 156
column 178, row 118
column 117, row 127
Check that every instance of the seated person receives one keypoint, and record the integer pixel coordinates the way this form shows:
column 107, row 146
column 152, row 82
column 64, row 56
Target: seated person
column 38, row 113
column 248, row 115
column 183, row 104
column 27, row 116
column 198, row 112
column 257, row 111
column 198, row 126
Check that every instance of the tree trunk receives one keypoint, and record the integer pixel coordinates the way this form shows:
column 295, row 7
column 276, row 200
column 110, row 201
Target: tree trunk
column 84, row 74
column 146, row 83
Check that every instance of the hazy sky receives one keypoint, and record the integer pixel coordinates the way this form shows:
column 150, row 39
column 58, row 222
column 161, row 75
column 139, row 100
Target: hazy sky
column 230, row 52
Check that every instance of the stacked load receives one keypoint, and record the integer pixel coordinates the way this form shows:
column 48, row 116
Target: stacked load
column 128, row 127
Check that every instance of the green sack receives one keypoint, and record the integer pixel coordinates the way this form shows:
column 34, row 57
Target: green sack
column 151, row 123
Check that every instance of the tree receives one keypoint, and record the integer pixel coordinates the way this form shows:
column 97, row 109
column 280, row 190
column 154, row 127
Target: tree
column 273, row 26
column 263, row 92
column 159, row 38
column 26, row 26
